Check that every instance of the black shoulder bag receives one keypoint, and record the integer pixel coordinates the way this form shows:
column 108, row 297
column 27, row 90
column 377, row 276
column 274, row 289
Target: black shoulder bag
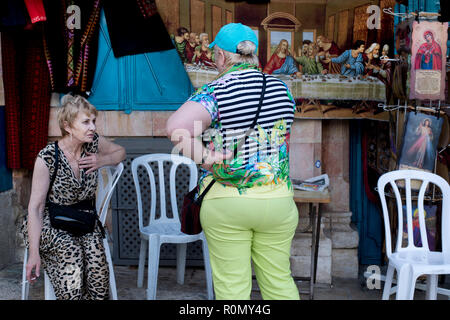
column 77, row 219
column 190, row 212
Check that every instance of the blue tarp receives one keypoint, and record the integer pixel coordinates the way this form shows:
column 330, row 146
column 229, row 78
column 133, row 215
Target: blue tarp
column 5, row 174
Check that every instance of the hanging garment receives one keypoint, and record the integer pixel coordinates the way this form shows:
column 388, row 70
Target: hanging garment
column 12, row 14
column 366, row 214
column 403, row 35
column 35, row 10
column 27, row 96
column 131, row 32
column 71, row 53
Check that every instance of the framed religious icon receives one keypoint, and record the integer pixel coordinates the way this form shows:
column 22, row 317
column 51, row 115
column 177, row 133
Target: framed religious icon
column 420, row 141
column 428, row 60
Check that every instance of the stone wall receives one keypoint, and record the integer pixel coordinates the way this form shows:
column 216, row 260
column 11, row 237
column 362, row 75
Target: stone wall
column 11, row 241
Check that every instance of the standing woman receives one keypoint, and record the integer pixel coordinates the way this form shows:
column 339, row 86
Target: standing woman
column 76, row 265
column 249, row 214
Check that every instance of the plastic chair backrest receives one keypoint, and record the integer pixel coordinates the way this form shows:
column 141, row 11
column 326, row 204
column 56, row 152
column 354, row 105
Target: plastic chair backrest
column 427, row 179
column 105, row 191
column 176, row 161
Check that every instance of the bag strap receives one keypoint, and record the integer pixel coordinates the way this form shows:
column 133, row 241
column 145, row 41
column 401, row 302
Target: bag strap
column 200, row 197
column 244, row 139
column 55, row 170
column 255, row 121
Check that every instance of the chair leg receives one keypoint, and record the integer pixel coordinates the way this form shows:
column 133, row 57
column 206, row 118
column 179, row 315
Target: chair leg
column 112, row 278
column 153, row 265
column 208, row 272
column 432, row 281
column 181, row 262
column 49, row 293
column 388, row 282
column 412, row 286
column 142, row 258
column 25, row 284
column 404, row 283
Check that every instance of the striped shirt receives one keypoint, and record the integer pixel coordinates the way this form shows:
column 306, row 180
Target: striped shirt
column 232, row 101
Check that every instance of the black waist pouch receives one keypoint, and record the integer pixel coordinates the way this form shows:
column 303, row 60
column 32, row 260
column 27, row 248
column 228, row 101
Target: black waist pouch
column 77, row 219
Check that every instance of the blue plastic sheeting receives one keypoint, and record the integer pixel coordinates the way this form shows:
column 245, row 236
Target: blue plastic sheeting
column 5, row 174
column 149, row 81
column 365, row 214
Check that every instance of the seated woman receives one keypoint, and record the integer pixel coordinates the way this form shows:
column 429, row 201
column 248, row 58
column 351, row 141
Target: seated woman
column 76, row 265
column 352, row 60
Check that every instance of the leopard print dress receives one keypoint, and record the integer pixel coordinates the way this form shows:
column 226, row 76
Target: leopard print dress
column 76, row 266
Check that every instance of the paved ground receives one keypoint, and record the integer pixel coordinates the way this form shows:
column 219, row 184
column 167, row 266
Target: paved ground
column 194, row 287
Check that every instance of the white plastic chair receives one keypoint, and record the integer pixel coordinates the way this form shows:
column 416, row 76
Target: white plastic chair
column 165, row 229
column 412, row 261
column 104, row 194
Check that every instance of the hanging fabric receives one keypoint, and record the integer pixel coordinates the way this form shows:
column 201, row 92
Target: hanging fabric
column 27, row 96
column 428, row 60
column 365, row 213
column 35, row 10
column 403, row 36
column 136, row 27
column 71, row 52
column 5, row 174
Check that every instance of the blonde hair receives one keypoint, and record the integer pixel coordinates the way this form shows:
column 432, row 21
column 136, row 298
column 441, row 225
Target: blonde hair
column 71, row 106
column 246, row 54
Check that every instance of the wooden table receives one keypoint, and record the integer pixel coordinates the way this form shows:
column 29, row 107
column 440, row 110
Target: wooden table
column 314, row 199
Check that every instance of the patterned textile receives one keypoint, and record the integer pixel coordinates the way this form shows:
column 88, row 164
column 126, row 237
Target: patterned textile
column 71, row 53
column 36, row 10
column 148, row 8
column 27, row 96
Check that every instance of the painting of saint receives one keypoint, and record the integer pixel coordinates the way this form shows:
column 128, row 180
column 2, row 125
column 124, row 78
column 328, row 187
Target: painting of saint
column 203, row 55
column 281, row 61
column 429, row 55
column 385, row 71
column 193, row 42
column 309, row 63
column 429, row 212
column 352, row 60
column 180, row 42
column 371, row 60
column 420, row 142
column 327, row 50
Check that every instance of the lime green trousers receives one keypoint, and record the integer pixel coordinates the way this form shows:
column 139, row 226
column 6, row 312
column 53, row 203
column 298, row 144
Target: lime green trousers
column 242, row 231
